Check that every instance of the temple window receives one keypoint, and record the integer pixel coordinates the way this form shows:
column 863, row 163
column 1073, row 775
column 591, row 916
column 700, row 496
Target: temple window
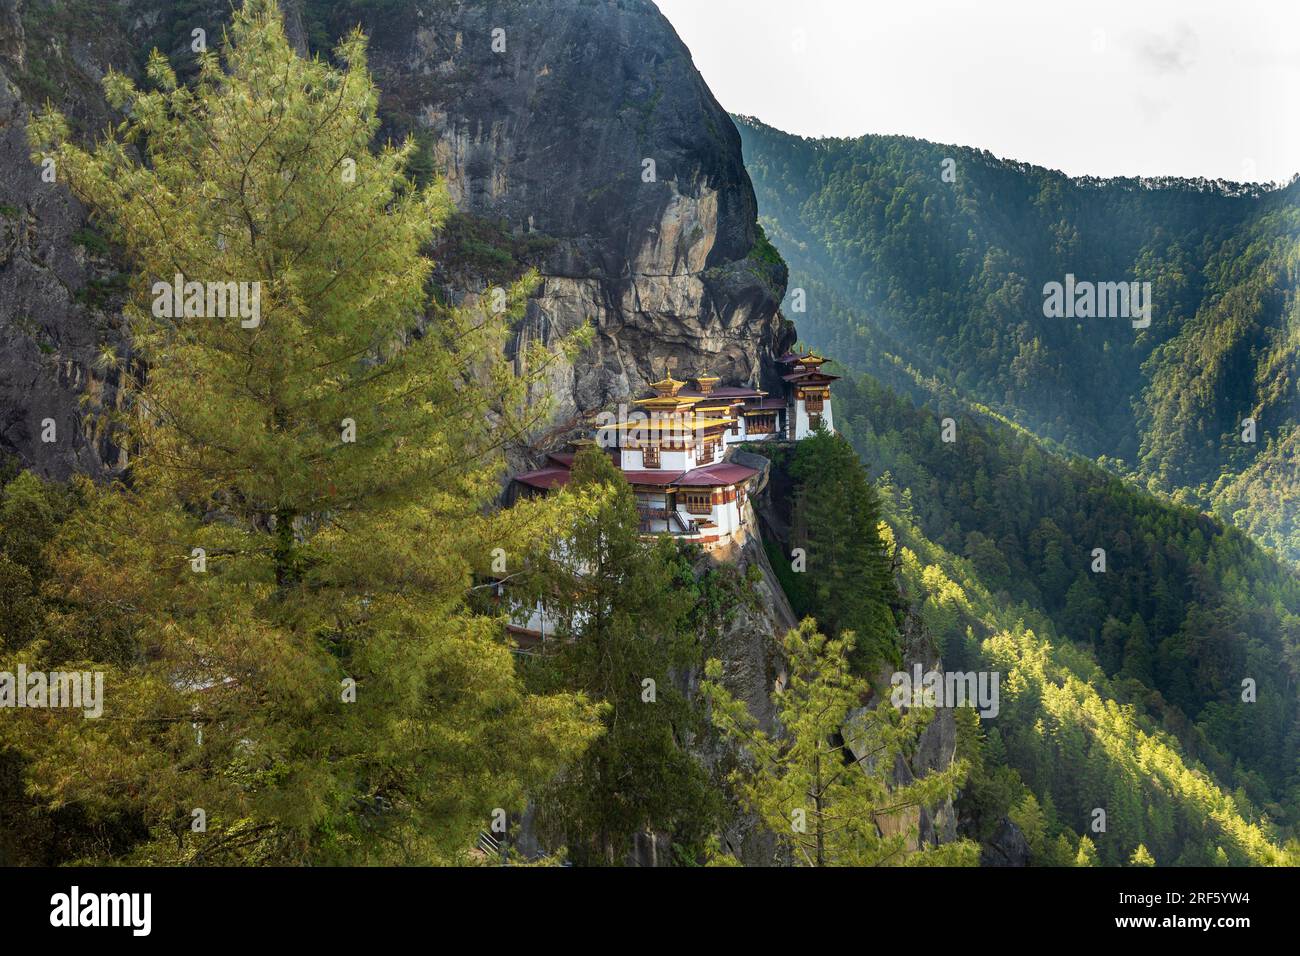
column 698, row 502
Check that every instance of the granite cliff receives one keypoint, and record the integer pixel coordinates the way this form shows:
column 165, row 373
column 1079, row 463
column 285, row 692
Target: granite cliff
column 574, row 135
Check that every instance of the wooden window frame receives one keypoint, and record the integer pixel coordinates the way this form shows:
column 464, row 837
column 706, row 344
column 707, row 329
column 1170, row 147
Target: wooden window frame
column 697, row 502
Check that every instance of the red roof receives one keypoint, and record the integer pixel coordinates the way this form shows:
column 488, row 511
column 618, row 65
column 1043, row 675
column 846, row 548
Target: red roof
column 545, row 478
column 715, row 475
column 650, row 477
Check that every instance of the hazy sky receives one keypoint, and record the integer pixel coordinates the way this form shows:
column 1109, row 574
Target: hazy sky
column 1102, row 87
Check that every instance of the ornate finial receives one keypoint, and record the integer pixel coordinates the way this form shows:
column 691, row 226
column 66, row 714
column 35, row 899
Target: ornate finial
column 706, row 382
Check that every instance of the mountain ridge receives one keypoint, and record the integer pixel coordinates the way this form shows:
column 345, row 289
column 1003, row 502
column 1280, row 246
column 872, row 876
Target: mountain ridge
column 945, row 272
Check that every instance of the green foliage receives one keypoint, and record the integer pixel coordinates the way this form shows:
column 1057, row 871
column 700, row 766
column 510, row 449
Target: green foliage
column 915, row 278
column 325, row 560
column 821, row 787
column 472, row 246
column 624, row 621
column 848, row 582
column 1063, row 731
column 992, row 789
column 1087, row 855
column 766, row 262
column 33, row 833
column 1185, row 610
column 1141, row 857
column 91, row 241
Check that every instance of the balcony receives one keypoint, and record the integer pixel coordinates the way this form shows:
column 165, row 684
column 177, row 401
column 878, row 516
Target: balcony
column 666, row 517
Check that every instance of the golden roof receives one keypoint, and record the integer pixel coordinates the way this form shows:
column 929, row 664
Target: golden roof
column 667, row 401
column 667, row 385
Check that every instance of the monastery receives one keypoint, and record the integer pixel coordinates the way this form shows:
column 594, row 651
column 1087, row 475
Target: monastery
column 672, row 448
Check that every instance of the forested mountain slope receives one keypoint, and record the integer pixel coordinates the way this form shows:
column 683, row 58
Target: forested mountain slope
column 935, row 288
column 1127, row 687
column 923, row 259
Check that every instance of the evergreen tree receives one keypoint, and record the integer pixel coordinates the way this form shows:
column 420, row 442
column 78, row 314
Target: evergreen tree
column 849, row 573
column 992, row 789
column 1029, row 817
column 1087, row 855
column 1141, row 857
column 623, row 623
column 32, row 833
column 277, row 593
column 821, row 788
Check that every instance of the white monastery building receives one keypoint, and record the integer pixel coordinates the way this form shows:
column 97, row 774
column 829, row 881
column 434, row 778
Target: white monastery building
column 672, row 449
column 672, row 452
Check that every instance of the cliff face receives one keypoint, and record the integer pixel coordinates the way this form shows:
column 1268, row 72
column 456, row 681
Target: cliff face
column 936, row 747
column 586, row 124
column 59, row 291
column 580, row 127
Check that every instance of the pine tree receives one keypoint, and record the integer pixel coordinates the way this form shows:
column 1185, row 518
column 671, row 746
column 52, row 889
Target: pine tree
column 1087, row 855
column 277, row 592
column 1028, row 816
column 821, row 788
column 849, row 574
column 1137, row 663
column 1141, row 857
column 624, row 635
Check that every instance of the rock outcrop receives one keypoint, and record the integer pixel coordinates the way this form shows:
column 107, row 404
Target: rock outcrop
column 586, row 124
column 936, row 747
column 1007, row 847
column 579, row 127
column 60, row 291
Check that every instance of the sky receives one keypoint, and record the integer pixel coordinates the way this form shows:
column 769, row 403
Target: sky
column 1090, row 87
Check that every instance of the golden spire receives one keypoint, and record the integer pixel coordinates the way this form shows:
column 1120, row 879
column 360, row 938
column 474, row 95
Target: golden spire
column 667, row 386
column 706, row 382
